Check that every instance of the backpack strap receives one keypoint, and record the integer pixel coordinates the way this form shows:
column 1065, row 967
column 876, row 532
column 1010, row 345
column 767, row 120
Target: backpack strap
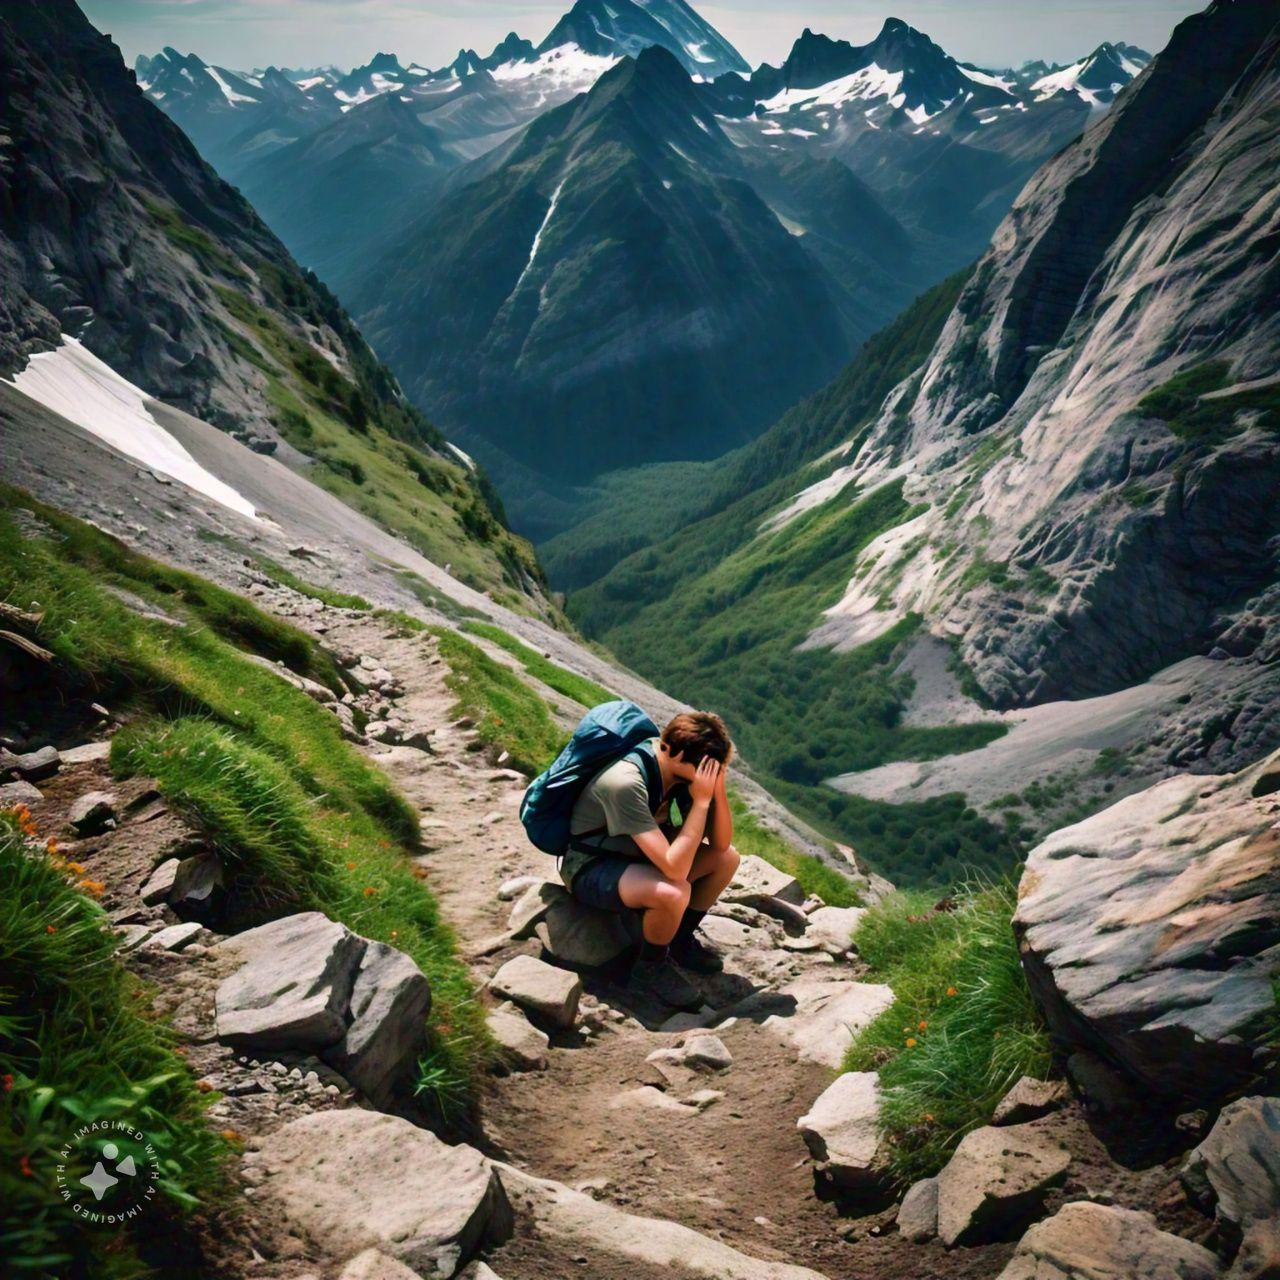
column 648, row 763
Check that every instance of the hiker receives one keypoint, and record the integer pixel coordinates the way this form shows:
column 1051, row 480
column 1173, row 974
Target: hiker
column 625, row 853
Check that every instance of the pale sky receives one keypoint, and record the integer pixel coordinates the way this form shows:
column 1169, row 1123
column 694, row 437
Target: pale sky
column 242, row 34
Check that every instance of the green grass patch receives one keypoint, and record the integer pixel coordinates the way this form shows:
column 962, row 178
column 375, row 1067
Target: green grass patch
column 77, row 1047
column 179, row 230
column 963, row 1028
column 260, row 766
column 1178, row 403
column 507, row 713
column 335, row 599
column 579, row 688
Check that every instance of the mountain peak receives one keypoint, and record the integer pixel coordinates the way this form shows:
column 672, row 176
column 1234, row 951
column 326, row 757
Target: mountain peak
column 624, row 28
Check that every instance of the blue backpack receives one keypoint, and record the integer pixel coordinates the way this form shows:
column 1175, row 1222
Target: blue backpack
column 607, row 734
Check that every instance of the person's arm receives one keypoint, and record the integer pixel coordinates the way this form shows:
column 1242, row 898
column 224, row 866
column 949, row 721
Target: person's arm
column 720, row 828
column 675, row 858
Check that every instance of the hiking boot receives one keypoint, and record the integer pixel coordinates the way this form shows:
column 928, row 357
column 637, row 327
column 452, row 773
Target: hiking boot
column 665, row 983
column 697, row 956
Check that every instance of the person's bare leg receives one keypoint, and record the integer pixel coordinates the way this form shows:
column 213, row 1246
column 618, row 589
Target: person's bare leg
column 710, row 875
column 662, row 901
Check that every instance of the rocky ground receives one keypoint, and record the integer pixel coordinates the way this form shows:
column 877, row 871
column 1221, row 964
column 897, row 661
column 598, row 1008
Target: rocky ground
column 618, row 1141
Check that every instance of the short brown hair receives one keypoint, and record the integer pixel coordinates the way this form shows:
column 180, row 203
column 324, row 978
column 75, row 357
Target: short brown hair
column 698, row 734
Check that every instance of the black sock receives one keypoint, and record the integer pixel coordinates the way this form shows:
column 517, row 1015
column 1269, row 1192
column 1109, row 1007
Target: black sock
column 689, row 925
column 653, row 952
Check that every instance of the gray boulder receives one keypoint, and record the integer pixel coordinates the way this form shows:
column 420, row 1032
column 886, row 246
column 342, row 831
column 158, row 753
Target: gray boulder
column 293, row 987
column 918, row 1212
column 521, row 1046
column 34, row 766
column 177, row 937
column 756, row 881
column 1030, row 1099
column 827, row 1015
column 93, row 813
column 543, row 990
column 532, row 906
column 387, row 1033
column 1125, row 919
column 196, row 887
column 842, row 1133
column 832, row 928
column 584, row 938
column 13, row 794
column 1235, row 1172
column 373, row 1264
column 358, row 1180
column 996, row 1183
column 160, row 883
column 1084, row 1241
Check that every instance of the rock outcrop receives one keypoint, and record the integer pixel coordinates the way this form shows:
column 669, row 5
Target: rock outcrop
column 996, row 1183
column 1093, row 1242
column 1235, row 1173
column 307, row 983
column 357, row 1180
column 1149, row 932
column 842, row 1133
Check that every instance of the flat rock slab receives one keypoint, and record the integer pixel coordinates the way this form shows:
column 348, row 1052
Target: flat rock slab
column 757, row 879
column 842, row 1134
column 1030, row 1099
column 832, row 928
column 373, row 1264
column 89, row 753
column 175, row 938
column 160, row 883
column 13, row 794
column 1124, row 919
column 521, row 1046
column 996, row 1183
column 358, row 1180
column 827, row 1016
column 387, row 1032
column 34, row 766
column 545, row 991
column 1085, row 1241
column 294, row 985
column 1235, row 1172
column 93, row 813
column 571, row 1217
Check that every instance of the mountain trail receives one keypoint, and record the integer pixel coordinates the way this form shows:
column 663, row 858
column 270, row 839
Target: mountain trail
column 600, row 1118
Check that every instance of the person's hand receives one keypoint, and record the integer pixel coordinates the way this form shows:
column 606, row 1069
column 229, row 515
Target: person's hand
column 703, row 786
column 722, row 783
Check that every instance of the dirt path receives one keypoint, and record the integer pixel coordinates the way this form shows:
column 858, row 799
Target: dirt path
column 736, row 1169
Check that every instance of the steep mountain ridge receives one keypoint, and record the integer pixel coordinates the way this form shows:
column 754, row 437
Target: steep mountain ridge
column 624, row 28
column 614, row 269
column 115, row 232
column 1095, row 426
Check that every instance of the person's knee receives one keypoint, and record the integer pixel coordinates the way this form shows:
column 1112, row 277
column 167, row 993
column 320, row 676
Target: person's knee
column 730, row 860
column 671, row 895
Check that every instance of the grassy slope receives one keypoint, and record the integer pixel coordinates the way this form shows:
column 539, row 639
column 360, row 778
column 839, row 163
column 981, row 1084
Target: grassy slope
column 963, row 1028
column 77, row 1047
column 715, row 612
column 260, row 766
column 374, row 450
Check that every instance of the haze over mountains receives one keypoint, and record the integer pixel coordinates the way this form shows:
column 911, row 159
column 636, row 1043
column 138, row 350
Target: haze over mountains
column 723, row 240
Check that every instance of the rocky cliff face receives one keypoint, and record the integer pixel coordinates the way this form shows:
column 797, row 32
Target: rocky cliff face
column 114, row 231
column 1095, row 431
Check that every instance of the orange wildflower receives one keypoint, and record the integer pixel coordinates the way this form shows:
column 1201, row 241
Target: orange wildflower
column 924, row 1026
column 7, row 1082
column 50, row 929
column 24, row 1167
column 77, row 868
column 232, row 1136
column 370, row 891
column 911, row 1042
column 94, row 887
column 951, row 991
column 351, row 866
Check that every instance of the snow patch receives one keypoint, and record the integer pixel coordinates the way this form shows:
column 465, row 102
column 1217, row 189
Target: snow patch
column 985, row 77
column 227, row 91
column 465, row 457
column 568, row 67
column 537, row 239
column 73, row 382
column 872, row 81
